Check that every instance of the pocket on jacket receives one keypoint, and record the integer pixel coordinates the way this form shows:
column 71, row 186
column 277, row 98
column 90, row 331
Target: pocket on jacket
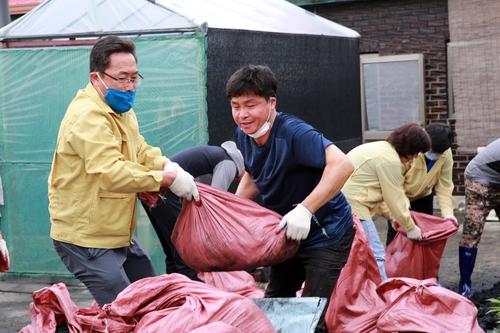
column 112, row 214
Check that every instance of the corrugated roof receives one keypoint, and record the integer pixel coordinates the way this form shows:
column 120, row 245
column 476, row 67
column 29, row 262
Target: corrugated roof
column 86, row 18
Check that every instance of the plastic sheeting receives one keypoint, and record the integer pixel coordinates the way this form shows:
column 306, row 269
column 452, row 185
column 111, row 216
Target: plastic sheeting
column 100, row 17
column 93, row 18
column 36, row 86
column 258, row 15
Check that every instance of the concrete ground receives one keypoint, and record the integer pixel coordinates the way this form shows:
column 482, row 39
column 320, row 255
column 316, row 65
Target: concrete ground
column 15, row 293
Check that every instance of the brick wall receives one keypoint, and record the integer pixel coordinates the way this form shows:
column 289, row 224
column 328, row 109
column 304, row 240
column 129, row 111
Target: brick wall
column 401, row 27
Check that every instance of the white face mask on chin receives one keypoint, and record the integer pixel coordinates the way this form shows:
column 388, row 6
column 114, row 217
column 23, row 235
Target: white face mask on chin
column 263, row 129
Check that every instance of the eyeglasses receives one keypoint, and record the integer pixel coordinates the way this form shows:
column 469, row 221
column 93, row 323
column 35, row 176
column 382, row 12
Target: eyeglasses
column 135, row 81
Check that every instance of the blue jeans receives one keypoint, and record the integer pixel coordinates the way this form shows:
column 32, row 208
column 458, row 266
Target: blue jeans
column 376, row 246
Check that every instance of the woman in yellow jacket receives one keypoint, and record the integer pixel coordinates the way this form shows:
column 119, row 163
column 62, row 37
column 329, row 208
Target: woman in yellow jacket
column 378, row 180
column 432, row 170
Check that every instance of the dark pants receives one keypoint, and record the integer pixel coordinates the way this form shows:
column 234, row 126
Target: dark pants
column 163, row 219
column 319, row 268
column 422, row 205
column 106, row 272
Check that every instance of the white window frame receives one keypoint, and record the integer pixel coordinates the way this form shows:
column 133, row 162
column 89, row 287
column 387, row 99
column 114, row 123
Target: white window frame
column 374, row 135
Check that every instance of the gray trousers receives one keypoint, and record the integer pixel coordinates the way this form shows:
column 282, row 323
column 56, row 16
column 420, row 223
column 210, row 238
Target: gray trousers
column 106, row 272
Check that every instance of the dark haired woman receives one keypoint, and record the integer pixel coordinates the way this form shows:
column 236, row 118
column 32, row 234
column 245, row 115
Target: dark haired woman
column 377, row 181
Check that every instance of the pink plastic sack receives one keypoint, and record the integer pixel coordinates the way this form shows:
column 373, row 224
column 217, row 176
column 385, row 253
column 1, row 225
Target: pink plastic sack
column 52, row 306
column 174, row 303
column 354, row 304
column 421, row 306
column 229, row 233
column 218, row 327
column 239, row 282
column 419, row 259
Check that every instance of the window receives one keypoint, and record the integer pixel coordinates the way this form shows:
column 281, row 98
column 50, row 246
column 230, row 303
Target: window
column 392, row 93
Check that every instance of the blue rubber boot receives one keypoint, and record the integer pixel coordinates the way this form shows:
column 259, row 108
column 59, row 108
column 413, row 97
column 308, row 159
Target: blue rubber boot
column 466, row 261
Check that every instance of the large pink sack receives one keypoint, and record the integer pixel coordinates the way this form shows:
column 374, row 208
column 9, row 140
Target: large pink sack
column 421, row 306
column 52, row 306
column 419, row 259
column 229, row 233
column 354, row 304
column 239, row 282
column 174, row 303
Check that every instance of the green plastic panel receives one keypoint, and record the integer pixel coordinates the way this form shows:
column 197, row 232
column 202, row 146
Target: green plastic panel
column 36, row 86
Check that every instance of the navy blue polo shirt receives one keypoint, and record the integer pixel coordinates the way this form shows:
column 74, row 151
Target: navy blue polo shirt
column 287, row 168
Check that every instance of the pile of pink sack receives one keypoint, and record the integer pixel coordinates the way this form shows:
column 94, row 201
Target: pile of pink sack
column 166, row 303
column 362, row 303
column 232, row 235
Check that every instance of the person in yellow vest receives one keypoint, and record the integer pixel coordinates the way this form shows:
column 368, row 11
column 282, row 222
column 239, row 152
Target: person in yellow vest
column 431, row 172
column 377, row 181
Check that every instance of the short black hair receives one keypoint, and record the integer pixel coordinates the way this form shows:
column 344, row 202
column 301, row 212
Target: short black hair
column 441, row 137
column 257, row 79
column 105, row 47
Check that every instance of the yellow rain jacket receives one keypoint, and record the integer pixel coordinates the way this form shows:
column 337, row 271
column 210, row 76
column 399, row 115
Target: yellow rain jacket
column 100, row 164
column 419, row 183
column 377, row 178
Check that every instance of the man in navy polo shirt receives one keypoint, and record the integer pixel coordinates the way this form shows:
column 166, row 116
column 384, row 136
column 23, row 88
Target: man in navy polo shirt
column 299, row 174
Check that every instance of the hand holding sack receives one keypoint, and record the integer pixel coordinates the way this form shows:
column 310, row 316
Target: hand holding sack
column 4, row 257
column 150, row 198
column 183, row 185
column 297, row 222
column 414, row 233
column 451, row 218
column 229, row 233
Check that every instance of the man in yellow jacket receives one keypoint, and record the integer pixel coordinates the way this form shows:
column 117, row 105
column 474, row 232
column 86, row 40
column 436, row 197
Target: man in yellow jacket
column 100, row 163
column 432, row 170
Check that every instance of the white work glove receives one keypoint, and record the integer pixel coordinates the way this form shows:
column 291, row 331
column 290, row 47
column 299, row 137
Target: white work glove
column 297, row 222
column 183, row 185
column 452, row 219
column 414, row 233
column 4, row 256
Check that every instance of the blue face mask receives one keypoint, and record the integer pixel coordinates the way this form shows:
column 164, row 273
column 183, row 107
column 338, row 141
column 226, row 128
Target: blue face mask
column 119, row 101
column 432, row 156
